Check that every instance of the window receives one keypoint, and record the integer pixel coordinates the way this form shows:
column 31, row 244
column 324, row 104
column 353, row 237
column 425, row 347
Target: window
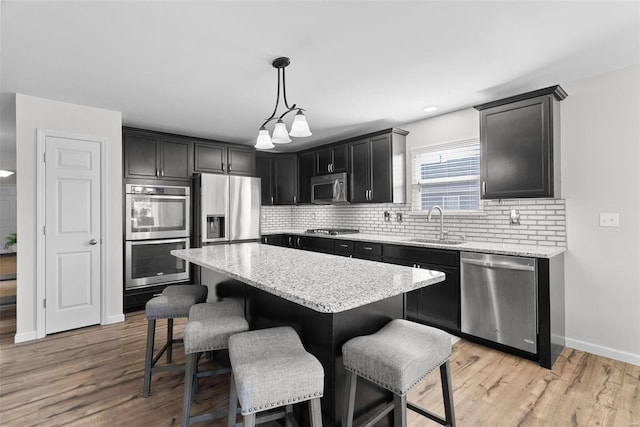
column 447, row 175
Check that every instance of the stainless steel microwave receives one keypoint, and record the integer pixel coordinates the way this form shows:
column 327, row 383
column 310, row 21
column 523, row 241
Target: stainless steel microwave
column 329, row 189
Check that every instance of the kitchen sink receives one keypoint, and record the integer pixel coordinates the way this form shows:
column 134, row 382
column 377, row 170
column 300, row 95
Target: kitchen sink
column 441, row 242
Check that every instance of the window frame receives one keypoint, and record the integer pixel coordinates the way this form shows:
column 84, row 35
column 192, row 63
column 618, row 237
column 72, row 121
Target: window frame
column 416, row 207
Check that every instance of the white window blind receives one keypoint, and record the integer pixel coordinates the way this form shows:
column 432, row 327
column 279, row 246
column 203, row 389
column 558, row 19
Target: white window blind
column 447, row 175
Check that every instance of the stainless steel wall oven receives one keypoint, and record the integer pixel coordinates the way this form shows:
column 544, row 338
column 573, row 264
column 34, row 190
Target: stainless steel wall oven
column 157, row 222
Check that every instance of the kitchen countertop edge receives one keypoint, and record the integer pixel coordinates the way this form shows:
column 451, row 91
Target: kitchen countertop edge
column 535, row 251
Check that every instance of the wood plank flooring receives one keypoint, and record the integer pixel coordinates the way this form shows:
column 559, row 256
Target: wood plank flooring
column 93, row 377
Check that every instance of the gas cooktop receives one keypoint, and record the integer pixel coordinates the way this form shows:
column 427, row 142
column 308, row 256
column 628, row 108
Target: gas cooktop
column 331, row 231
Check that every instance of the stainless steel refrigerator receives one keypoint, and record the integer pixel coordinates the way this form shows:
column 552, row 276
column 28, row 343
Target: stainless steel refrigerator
column 226, row 209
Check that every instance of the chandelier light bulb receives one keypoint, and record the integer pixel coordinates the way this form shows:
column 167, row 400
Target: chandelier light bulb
column 300, row 127
column 264, row 140
column 280, row 133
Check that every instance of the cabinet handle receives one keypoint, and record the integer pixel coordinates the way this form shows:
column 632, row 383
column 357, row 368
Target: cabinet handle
column 290, row 241
column 343, row 246
column 223, row 167
column 294, row 199
column 298, row 242
column 157, row 173
column 367, row 248
column 162, row 173
column 484, row 187
column 271, row 199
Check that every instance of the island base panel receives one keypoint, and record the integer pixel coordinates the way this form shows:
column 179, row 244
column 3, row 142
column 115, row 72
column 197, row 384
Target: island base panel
column 323, row 335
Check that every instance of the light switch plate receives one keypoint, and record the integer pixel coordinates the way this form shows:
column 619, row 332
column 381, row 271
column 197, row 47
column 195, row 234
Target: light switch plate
column 609, row 220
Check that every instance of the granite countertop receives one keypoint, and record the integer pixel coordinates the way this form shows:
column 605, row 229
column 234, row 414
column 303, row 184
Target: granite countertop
column 325, row 283
column 469, row 246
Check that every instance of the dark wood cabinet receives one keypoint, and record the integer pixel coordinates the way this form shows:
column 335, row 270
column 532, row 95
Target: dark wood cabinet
column 279, row 174
column 153, row 156
column 519, row 145
column 438, row 304
column 264, row 170
column 306, row 164
column 275, row 240
column 367, row 250
column 378, row 168
column 285, row 172
column 332, row 159
column 223, row 159
column 343, row 248
column 315, row 244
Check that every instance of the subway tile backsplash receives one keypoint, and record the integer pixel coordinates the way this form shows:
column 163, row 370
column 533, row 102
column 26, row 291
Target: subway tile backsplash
column 542, row 221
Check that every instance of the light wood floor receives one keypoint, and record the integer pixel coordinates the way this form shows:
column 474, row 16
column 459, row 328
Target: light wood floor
column 93, row 377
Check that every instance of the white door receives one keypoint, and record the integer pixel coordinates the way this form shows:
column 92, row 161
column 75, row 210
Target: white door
column 72, row 233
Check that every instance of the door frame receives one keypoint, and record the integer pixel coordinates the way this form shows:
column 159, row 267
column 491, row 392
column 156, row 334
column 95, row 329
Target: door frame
column 40, row 311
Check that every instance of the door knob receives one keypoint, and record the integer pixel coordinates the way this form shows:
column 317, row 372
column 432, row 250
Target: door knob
column 93, row 242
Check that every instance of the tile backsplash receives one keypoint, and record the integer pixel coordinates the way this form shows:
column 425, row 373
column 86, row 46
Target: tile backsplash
column 542, row 221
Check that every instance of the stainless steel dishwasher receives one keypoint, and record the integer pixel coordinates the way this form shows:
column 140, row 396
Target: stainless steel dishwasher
column 499, row 299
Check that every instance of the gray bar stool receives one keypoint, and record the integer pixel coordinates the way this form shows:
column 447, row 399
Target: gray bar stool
column 271, row 369
column 398, row 357
column 209, row 327
column 173, row 302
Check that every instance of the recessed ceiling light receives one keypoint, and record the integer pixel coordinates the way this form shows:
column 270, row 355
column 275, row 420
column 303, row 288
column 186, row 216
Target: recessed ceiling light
column 430, row 109
column 4, row 173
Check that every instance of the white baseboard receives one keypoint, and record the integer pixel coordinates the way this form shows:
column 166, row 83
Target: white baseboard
column 116, row 318
column 25, row 336
column 611, row 353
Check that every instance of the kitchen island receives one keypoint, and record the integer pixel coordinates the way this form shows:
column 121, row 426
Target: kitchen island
column 326, row 298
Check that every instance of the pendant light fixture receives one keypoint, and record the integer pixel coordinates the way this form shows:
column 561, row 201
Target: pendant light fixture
column 299, row 127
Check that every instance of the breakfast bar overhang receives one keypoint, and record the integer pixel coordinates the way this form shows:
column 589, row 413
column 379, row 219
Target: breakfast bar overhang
column 327, row 299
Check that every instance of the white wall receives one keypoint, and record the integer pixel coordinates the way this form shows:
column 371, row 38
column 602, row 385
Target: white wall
column 37, row 113
column 600, row 139
column 600, row 163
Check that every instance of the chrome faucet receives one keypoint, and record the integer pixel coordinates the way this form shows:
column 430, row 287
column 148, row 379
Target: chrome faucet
column 442, row 232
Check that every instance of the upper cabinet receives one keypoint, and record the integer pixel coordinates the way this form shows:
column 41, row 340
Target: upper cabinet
column 332, row 159
column 306, row 164
column 221, row 158
column 377, row 164
column 279, row 174
column 154, row 156
column 520, row 145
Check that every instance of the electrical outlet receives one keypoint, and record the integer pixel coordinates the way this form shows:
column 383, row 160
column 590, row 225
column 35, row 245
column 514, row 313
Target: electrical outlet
column 610, row 220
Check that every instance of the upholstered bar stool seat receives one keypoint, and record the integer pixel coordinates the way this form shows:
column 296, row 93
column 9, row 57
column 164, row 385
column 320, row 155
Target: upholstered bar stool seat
column 209, row 327
column 174, row 302
column 271, row 369
column 397, row 358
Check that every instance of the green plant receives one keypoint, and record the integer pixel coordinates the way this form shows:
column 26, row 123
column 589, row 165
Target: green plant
column 11, row 240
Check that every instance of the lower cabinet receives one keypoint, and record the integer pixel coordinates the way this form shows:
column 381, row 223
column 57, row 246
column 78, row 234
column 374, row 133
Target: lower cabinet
column 438, row 304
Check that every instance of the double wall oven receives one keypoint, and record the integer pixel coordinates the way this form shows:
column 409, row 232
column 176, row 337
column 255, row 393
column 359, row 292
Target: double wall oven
column 157, row 222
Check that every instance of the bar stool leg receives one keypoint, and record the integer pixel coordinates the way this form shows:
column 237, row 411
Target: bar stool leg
column 315, row 412
column 148, row 361
column 233, row 402
column 400, row 410
column 169, row 340
column 351, row 381
column 189, row 372
column 250, row 420
column 447, row 393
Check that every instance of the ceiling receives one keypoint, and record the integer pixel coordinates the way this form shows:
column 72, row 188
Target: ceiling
column 204, row 68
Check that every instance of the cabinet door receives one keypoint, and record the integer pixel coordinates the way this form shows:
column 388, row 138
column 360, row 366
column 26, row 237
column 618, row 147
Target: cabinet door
column 340, row 155
column 141, row 155
column 367, row 250
column 264, row 170
column 439, row 304
column 306, row 163
column 515, row 150
column 323, row 161
column 360, row 171
column 175, row 159
column 343, row 247
column 381, row 170
column 209, row 158
column 242, row 161
column 315, row 244
column 285, row 179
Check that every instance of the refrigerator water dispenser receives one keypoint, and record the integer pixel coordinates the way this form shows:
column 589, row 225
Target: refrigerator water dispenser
column 215, row 227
